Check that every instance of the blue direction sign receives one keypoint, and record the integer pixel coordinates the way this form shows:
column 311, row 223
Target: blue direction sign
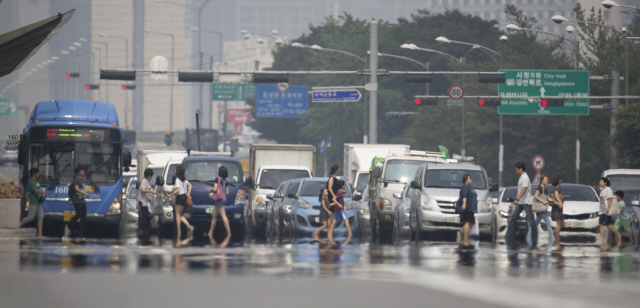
column 274, row 102
column 336, row 96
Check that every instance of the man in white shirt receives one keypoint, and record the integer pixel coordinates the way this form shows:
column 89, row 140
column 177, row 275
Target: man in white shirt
column 146, row 192
column 523, row 201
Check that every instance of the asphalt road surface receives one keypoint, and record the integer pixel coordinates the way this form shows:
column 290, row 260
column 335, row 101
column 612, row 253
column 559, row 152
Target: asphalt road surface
column 109, row 273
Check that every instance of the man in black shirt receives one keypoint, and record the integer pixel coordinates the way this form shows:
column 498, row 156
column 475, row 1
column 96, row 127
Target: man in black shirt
column 75, row 227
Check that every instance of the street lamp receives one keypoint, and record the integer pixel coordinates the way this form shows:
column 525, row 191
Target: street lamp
column 559, row 19
column 413, row 61
column 609, row 4
column 173, row 49
column 570, row 29
column 443, row 39
column 414, row 47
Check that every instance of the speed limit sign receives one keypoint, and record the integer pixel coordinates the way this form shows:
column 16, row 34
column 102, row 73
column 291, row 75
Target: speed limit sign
column 456, row 91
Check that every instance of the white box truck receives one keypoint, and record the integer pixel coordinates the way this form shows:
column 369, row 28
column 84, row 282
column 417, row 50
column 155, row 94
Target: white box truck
column 357, row 161
column 270, row 165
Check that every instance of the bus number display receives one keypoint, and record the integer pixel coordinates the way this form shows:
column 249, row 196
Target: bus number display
column 74, row 134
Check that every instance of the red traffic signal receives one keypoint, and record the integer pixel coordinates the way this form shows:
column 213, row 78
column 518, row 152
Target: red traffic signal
column 552, row 102
column 429, row 101
column 417, row 101
column 544, row 103
column 72, row 75
column 489, row 102
column 92, row 86
column 128, row 87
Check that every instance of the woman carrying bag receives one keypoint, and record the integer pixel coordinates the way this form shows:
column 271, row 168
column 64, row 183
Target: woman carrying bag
column 183, row 198
column 220, row 191
column 540, row 206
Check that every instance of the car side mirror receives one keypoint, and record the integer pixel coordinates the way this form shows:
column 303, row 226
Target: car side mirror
column 159, row 180
column 291, row 195
column 494, row 187
column 270, row 196
column 357, row 197
column 415, row 185
column 635, row 202
column 494, row 200
column 397, row 195
column 277, row 195
column 126, row 159
column 377, row 172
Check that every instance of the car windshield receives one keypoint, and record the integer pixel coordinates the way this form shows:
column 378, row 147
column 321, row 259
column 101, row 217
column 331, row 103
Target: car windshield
column 509, row 194
column 207, row 171
column 401, row 171
column 292, row 188
column 579, row 193
column 452, row 178
column 312, row 188
column 170, row 173
column 363, row 179
column 621, row 181
column 270, row 178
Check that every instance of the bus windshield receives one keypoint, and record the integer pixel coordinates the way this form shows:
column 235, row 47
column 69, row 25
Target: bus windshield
column 207, row 171
column 58, row 157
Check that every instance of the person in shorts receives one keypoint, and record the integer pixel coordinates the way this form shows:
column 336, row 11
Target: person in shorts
column 623, row 220
column 606, row 200
column 35, row 208
column 556, row 207
column 182, row 190
column 325, row 214
column 469, row 199
column 339, row 214
column 220, row 191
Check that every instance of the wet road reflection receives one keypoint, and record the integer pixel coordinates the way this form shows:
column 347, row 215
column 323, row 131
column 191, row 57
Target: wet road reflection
column 304, row 258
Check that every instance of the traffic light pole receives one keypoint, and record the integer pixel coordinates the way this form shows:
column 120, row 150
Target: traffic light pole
column 373, row 95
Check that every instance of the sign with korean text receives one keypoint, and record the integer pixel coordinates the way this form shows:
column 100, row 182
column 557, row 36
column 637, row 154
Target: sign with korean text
column 238, row 115
column 529, row 85
column 336, row 96
column 272, row 103
column 8, row 107
column 232, row 91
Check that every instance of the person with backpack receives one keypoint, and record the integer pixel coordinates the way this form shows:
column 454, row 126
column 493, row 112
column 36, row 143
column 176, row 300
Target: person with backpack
column 75, row 227
column 220, row 191
column 36, row 195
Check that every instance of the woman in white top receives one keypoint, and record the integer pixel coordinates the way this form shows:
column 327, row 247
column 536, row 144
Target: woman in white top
column 183, row 189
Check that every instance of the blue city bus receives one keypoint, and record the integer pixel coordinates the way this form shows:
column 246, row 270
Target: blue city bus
column 64, row 134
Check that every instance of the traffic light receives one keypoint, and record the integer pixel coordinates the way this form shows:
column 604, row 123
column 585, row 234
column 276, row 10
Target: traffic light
column 92, row 86
column 73, row 75
column 429, row 101
column 118, row 75
column 259, row 77
column 552, row 102
column 489, row 102
column 419, row 78
column 195, row 77
column 128, row 87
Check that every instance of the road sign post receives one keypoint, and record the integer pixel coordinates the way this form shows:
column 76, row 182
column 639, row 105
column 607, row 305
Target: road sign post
column 540, row 83
column 538, row 164
column 336, row 96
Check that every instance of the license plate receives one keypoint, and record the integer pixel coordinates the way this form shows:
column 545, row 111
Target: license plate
column 68, row 215
column 209, row 209
column 387, row 217
column 453, row 220
column 574, row 224
column 317, row 219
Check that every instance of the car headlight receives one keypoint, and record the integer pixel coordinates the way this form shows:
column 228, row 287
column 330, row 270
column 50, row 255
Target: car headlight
column 260, row 205
column 302, row 204
column 364, row 211
column 115, row 205
column 348, row 205
column 486, row 207
column 385, row 204
column 240, row 197
column 426, row 204
column 405, row 210
column 287, row 209
column 503, row 214
column 594, row 215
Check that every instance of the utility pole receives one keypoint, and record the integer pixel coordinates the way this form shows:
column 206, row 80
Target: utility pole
column 373, row 84
column 615, row 91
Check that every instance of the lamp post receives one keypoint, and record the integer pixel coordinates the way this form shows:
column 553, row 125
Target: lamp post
column 559, row 19
column 414, row 47
column 173, row 49
column 126, row 57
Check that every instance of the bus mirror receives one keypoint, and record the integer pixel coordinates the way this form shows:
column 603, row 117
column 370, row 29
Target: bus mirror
column 126, row 160
column 159, row 180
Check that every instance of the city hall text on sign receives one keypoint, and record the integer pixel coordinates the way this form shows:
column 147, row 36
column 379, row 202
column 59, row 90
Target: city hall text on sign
column 529, row 85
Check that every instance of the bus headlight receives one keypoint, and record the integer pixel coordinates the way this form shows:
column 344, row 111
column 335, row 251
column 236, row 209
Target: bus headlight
column 115, row 205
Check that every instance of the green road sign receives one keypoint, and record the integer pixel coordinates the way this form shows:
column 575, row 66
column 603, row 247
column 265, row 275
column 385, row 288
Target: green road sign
column 536, row 83
column 232, row 91
column 8, row 107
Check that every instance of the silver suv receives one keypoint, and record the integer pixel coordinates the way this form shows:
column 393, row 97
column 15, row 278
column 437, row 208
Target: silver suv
column 436, row 189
